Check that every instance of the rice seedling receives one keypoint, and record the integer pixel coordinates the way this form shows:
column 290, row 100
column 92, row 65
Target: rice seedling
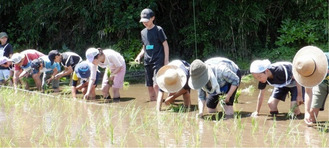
column 134, row 65
column 126, row 85
column 6, row 142
column 247, row 78
column 237, row 95
column 249, row 90
column 66, row 90
column 254, row 124
column 57, row 121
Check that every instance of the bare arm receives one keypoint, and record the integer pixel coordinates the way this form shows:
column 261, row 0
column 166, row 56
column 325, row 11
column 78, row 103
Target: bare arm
column 159, row 101
column 67, row 71
column 259, row 102
column 74, row 92
column 299, row 94
column 166, row 52
column 172, row 98
column 139, row 56
column 16, row 78
column 230, row 92
column 90, row 85
column 308, row 99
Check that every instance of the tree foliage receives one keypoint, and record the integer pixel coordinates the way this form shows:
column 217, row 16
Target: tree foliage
column 239, row 29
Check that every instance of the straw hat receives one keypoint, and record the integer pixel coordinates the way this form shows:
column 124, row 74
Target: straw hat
column 170, row 78
column 310, row 66
column 199, row 75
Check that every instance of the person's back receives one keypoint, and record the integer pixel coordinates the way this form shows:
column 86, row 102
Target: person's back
column 113, row 59
column 70, row 59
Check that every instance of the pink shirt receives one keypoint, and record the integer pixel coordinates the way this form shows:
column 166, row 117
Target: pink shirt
column 30, row 55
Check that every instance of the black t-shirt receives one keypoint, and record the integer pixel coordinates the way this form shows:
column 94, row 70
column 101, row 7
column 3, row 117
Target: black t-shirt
column 70, row 59
column 279, row 75
column 6, row 49
column 153, row 39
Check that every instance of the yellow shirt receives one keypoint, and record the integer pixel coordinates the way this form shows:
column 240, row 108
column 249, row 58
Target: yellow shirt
column 75, row 77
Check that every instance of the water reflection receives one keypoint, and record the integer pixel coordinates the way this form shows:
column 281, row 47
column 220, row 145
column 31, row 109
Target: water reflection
column 135, row 122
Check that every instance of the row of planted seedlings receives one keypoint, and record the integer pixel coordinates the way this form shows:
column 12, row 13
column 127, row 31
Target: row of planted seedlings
column 33, row 119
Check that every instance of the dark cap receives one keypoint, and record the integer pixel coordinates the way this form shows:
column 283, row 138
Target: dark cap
column 52, row 54
column 82, row 70
column 146, row 15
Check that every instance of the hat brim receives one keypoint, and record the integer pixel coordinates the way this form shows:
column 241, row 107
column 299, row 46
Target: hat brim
column 321, row 63
column 174, row 87
column 143, row 20
column 200, row 82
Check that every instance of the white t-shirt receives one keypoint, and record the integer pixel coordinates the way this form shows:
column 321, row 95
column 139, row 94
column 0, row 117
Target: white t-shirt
column 113, row 59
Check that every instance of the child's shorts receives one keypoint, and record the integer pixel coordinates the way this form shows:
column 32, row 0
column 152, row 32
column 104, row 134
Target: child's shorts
column 150, row 73
column 320, row 94
column 281, row 93
column 4, row 74
column 118, row 78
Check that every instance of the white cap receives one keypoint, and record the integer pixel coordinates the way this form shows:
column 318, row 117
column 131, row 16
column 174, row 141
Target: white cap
column 17, row 57
column 91, row 53
column 259, row 66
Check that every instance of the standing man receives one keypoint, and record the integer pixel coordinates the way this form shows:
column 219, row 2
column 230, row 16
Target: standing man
column 6, row 50
column 155, row 50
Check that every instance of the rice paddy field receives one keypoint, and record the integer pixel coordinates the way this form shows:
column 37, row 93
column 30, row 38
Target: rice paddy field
column 32, row 119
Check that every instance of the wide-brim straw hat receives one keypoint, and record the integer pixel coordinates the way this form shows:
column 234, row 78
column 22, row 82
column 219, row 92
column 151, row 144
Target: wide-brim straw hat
column 310, row 66
column 199, row 74
column 170, row 78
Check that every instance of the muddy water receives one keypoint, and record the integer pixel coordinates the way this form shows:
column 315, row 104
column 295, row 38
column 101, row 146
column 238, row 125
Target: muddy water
column 38, row 120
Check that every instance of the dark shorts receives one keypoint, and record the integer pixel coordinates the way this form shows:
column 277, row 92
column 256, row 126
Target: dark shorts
column 281, row 93
column 186, row 87
column 212, row 100
column 150, row 73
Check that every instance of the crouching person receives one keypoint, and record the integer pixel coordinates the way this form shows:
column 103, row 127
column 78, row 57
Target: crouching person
column 310, row 69
column 6, row 74
column 215, row 77
column 172, row 78
column 43, row 66
column 67, row 59
column 113, row 62
column 279, row 75
column 82, row 72
column 22, row 62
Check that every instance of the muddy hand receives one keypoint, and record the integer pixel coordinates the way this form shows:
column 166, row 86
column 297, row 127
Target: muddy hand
column 254, row 114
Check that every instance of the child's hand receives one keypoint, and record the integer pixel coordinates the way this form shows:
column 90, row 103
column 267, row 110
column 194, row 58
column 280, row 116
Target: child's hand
column 254, row 114
column 300, row 101
column 86, row 96
column 138, row 60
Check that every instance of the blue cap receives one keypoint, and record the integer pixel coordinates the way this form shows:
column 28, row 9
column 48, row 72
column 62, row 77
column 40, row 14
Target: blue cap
column 82, row 70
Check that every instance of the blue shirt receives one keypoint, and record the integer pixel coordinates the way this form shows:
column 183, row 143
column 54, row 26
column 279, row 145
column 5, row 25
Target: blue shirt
column 47, row 64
